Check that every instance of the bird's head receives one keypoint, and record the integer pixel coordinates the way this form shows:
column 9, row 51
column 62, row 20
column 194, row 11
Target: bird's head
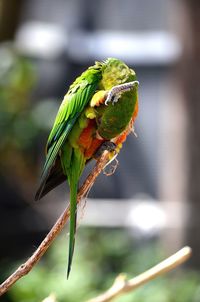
column 115, row 72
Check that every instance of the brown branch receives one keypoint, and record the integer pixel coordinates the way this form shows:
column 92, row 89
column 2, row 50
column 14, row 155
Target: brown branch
column 121, row 285
column 25, row 268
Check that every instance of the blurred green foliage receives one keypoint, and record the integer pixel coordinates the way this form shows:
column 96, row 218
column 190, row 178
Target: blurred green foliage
column 17, row 78
column 100, row 255
column 23, row 119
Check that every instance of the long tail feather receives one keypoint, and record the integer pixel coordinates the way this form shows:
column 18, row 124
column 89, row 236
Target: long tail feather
column 72, row 169
column 73, row 215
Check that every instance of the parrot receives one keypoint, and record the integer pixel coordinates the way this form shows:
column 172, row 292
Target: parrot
column 96, row 114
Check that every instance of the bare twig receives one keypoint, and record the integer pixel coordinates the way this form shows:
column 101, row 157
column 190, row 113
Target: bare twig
column 121, row 285
column 25, row 268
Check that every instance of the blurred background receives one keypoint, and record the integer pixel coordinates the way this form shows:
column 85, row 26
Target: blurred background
column 150, row 207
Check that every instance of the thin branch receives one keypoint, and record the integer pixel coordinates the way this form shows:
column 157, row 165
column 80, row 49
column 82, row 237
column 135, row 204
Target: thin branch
column 121, row 285
column 25, row 268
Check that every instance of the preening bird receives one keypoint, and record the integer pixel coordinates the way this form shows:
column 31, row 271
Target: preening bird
column 97, row 113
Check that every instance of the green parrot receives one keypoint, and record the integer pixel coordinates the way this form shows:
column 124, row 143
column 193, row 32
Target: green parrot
column 97, row 113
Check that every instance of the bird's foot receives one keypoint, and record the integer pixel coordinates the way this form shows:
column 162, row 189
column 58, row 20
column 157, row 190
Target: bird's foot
column 112, row 148
column 115, row 93
column 106, row 146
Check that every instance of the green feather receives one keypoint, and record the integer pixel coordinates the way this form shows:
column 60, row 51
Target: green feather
column 74, row 102
column 73, row 169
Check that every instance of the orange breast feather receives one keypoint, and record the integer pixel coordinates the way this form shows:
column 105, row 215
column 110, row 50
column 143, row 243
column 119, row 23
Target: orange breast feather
column 88, row 140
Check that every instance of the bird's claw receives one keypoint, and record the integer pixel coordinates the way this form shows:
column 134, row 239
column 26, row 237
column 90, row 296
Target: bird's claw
column 115, row 93
column 114, row 99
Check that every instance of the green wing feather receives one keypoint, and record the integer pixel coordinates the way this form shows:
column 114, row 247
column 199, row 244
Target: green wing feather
column 75, row 100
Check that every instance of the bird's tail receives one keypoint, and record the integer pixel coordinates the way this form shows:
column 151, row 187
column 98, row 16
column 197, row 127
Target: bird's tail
column 73, row 215
column 73, row 173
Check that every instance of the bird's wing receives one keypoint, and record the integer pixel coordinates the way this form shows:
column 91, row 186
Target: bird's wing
column 75, row 100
